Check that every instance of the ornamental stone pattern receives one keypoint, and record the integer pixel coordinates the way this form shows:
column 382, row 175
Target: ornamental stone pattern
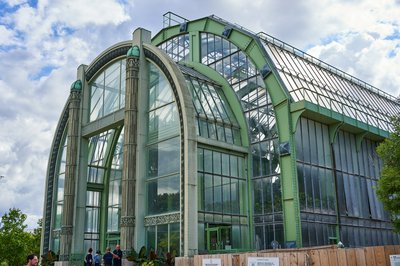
column 128, row 221
column 162, row 219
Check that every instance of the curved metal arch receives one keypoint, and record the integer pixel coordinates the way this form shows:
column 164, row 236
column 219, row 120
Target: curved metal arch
column 117, row 50
column 51, row 176
column 245, row 41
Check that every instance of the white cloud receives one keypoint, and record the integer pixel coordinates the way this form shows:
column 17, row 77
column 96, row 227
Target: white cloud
column 6, row 36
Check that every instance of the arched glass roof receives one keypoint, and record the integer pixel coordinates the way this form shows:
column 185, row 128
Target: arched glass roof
column 214, row 115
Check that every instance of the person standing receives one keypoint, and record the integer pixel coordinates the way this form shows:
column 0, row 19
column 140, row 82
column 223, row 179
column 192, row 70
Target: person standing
column 108, row 257
column 89, row 258
column 97, row 258
column 117, row 256
column 31, row 260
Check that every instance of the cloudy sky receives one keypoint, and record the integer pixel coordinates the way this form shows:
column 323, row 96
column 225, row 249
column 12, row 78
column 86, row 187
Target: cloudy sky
column 43, row 42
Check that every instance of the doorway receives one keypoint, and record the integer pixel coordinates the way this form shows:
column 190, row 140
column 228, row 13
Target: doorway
column 219, row 237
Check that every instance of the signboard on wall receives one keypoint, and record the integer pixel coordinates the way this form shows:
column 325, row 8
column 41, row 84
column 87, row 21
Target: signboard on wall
column 394, row 260
column 212, row 262
column 263, row 261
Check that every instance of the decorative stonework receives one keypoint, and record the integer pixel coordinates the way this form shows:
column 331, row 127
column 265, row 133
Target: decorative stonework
column 162, row 219
column 127, row 221
column 66, row 230
column 56, row 233
column 110, row 55
column 133, row 62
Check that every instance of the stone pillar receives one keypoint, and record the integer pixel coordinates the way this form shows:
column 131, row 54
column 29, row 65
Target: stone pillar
column 70, row 170
column 130, row 144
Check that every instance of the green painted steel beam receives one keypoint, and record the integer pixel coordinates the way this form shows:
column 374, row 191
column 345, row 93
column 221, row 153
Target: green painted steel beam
column 327, row 116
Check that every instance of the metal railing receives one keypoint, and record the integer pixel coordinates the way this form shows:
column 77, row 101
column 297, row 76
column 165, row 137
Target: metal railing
column 172, row 19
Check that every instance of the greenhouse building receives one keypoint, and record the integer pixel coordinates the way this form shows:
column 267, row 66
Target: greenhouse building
column 207, row 138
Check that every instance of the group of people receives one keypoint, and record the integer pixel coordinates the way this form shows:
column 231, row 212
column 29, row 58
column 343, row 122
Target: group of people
column 109, row 259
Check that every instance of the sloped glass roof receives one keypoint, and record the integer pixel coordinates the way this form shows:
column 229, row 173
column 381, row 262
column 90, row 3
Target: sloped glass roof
column 307, row 78
column 214, row 115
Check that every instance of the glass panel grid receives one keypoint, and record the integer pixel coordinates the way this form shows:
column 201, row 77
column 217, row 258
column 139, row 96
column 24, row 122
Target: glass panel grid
column 98, row 146
column 215, row 117
column 177, row 48
column 108, row 91
column 348, row 95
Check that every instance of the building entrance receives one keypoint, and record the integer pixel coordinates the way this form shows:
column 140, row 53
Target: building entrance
column 218, row 237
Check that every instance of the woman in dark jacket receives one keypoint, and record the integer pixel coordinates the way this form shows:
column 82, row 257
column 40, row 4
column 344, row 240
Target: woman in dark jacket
column 89, row 258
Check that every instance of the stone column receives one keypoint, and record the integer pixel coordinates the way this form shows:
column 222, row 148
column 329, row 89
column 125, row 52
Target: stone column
column 70, row 170
column 130, row 144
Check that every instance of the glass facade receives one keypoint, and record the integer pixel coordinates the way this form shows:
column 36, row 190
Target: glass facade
column 337, row 192
column 363, row 220
column 98, row 149
column 164, row 238
column 108, row 91
column 163, row 162
column 223, row 199
column 317, row 194
column 92, row 220
column 114, row 193
column 237, row 68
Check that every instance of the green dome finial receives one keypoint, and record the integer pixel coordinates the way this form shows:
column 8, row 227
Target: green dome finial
column 134, row 51
column 77, row 85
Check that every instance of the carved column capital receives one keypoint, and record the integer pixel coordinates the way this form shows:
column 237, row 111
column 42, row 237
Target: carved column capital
column 66, row 230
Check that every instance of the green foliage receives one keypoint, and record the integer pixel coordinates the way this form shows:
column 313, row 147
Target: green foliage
column 150, row 258
column 49, row 258
column 15, row 242
column 388, row 188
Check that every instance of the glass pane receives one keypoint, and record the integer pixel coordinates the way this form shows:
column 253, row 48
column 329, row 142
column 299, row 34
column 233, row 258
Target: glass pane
column 163, row 195
column 163, row 123
column 162, row 238
column 174, row 234
column 164, row 158
column 160, row 92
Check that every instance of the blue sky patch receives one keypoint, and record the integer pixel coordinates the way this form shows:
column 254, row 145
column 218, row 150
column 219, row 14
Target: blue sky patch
column 5, row 8
column 59, row 30
column 393, row 52
column 7, row 48
column 330, row 38
column 33, row 3
column 44, row 71
column 394, row 36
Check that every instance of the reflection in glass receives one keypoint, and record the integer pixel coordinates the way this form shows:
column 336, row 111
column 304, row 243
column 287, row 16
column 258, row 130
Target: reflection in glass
column 163, row 195
column 98, row 146
column 114, row 188
column 108, row 91
column 164, row 158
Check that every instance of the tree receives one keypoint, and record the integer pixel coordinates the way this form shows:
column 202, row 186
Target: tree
column 388, row 188
column 15, row 242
